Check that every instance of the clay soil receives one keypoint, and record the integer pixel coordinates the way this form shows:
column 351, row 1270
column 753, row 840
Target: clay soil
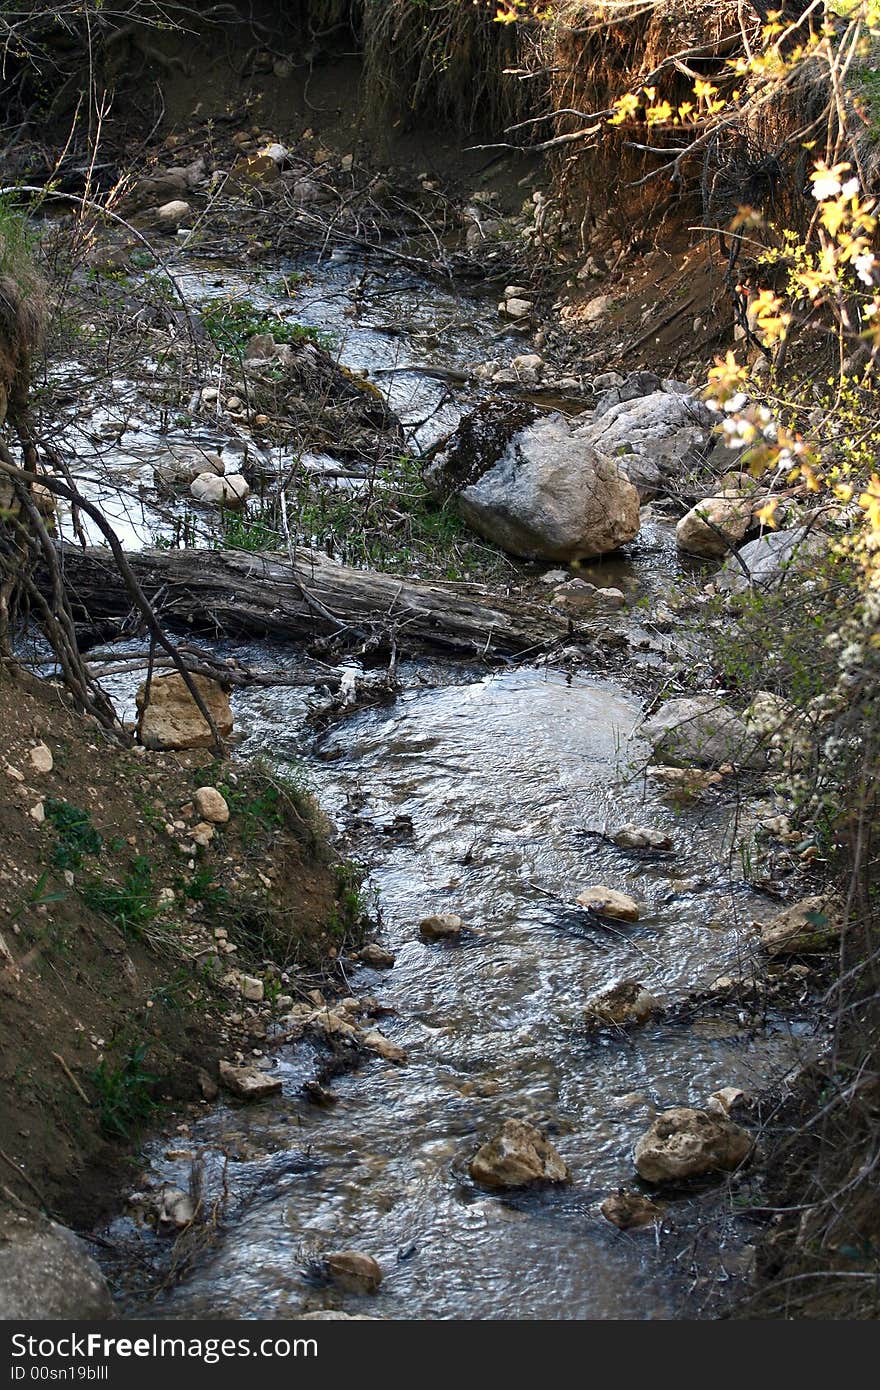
column 112, row 1007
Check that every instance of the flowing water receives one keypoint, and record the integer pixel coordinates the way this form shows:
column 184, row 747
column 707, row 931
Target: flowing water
column 502, row 776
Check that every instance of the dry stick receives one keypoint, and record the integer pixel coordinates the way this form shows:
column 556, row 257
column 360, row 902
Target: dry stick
column 131, row 584
column 71, row 1078
column 20, row 1173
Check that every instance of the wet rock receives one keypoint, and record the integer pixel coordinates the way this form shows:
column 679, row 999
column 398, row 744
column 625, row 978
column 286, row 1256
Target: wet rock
column 172, row 215
column 248, row 1083
column 332, row 1315
column 684, row 782
column 653, row 438
column 518, row 1156
column 533, row 487
column 208, row 1088
column 375, row 956
column 626, row 1002
column 230, row 491
column 176, row 1209
column 178, row 466
column 809, row 927
column 211, row 805
column 353, row 1271
column 630, row 1211
column 727, row 1099
column 514, row 308
column 607, row 902
column 714, row 526
column 46, row 1272
column 765, row 562
column 443, row 926
column 384, row 1047
column 701, row 729
column 641, row 837
column 41, row 758
column 172, row 719
column 685, row 1143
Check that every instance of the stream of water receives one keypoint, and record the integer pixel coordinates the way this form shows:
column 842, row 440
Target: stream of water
column 502, row 776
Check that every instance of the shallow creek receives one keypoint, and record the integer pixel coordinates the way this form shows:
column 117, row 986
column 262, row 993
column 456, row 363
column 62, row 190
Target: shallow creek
column 502, row 775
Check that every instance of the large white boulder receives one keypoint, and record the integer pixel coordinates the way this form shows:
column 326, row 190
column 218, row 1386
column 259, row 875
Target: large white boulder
column 534, row 488
column 701, row 729
column 652, row 438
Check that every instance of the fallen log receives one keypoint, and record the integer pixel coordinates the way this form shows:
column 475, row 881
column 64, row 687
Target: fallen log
column 228, row 593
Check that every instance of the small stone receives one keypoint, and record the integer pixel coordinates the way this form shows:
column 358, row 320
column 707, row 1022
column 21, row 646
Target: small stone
column 248, row 1083
column 723, row 1101
column 375, row 956
column 203, row 834
column 14, row 773
column 41, row 758
column 516, row 308
column 443, row 926
column 518, row 1156
column 171, row 215
column 177, row 1209
column 627, row 1002
column 630, row 1211
column 38, row 813
column 611, row 598
column 641, row 837
column 810, row 927
column 353, row 1271
column 251, row 989
column 607, row 902
column 211, row 805
column 229, row 491
column 377, row 1042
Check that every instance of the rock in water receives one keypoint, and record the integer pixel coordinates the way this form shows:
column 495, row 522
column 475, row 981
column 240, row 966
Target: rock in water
column 714, row 527
column 517, row 1156
column 248, row 1083
column 607, row 902
column 443, row 926
column 810, row 927
column 765, row 562
column 630, row 1211
column 626, row 1002
column 653, row 437
column 533, row 487
column 684, row 1143
column 353, row 1271
column 231, row 490
column 700, row 729
column 641, row 837
column 172, row 719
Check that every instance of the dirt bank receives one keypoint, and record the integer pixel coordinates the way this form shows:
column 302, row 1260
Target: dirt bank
column 118, row 990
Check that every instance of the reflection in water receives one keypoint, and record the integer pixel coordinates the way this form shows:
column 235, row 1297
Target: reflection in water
column 501, row 778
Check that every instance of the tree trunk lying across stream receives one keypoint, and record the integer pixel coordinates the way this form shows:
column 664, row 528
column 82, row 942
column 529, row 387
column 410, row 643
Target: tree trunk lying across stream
column 228, row 593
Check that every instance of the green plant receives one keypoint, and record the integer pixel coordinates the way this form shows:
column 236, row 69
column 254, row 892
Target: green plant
column 125, row 1098
column 230, row 324
column 77, row 836
column 130, row 905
